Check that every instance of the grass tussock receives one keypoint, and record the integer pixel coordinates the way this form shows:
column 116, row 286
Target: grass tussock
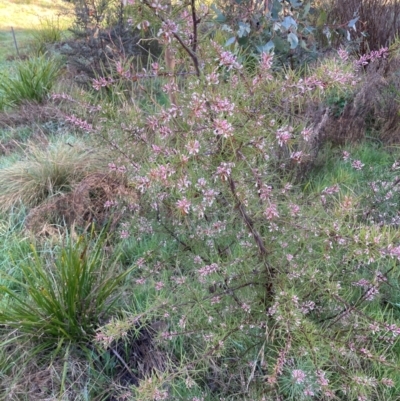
column 65, row 296
column 32, row 81
column 46, row 172
column 84, row 205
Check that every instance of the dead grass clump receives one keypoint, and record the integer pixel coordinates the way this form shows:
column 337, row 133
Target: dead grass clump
column 373, row 111
column 84, row 205
column 44, row 173
column 28, row 114
column 380, row 20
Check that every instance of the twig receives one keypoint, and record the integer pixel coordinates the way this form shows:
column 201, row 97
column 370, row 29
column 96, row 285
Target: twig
column 123, row 362
column 194, row 18
column 189, row 51
column 248, row 221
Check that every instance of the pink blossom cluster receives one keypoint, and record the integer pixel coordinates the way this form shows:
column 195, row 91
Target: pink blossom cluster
column 374, row 55
column 309, row 84
column 207, row 270
column 223, row 128
column 336, row 75
column 167, row 31
column 284, row 134
column 183, row 206
column 224, row 170
column 157, row 6
column 82, row 124
column 343, row 54
column 63, row 96
column 222, row 106
column 102, row 82
column 229, row 60
column 121, row 71
column 114, row 167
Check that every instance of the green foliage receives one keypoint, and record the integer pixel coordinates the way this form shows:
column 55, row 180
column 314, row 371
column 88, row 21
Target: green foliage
column 62, row 296
column 49, row 32
column 32, row 80
column 337, row 101
column 297, row 32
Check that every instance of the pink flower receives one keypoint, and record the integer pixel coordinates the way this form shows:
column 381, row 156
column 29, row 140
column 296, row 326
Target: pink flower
column 157, row 6
column 228, row 59
column 212, row 79
column 224, row 170
column 298, row 376
column 193, row 147
column 271, row 212
column 82, row 124
column 283, row 135
column 387, row 382
column 357, row 165
column 207, row 270
column 306, row 133
column 331, row 190
column 322, row 380
column 266, row 61
column 297, row 156
column 143, row 25
column 294, row 210
column 159, row 285
column 343, row 54
column 223, row 128
column 223, row 106
column 183, row 206
column 124, row 234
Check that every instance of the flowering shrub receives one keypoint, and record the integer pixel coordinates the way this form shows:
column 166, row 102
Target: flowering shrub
column 267, row 290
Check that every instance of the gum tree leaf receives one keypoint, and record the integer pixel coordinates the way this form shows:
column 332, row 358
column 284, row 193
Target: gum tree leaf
column 295, row 3
column 289, row 22
column 230, row 41
column 244, row 29
column 267, row 48
column 219, row 16
column 276, row 9
column 293, row 40
column 352, row 23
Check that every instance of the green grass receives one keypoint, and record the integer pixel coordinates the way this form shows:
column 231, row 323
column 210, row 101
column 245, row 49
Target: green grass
column 31, row 80
column 63, row 296
column 332, row 169
column 27, row 18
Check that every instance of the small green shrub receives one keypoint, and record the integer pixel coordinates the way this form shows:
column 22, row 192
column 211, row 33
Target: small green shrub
column 62, row 296
column 32, row 81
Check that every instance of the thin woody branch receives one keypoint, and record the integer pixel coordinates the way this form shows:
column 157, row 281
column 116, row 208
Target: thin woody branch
column 192, row 54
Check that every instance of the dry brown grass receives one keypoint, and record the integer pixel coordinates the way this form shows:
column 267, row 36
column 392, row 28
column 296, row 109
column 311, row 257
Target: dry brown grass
column 82, row 206
column 28, row 114
column 44, row 173
column 373, row 111
column 380, row 19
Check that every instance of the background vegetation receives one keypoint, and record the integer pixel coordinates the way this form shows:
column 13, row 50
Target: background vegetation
column 200, row 201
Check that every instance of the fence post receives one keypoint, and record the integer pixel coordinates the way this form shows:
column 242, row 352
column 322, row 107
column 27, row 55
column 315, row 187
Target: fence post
column 15, row 41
